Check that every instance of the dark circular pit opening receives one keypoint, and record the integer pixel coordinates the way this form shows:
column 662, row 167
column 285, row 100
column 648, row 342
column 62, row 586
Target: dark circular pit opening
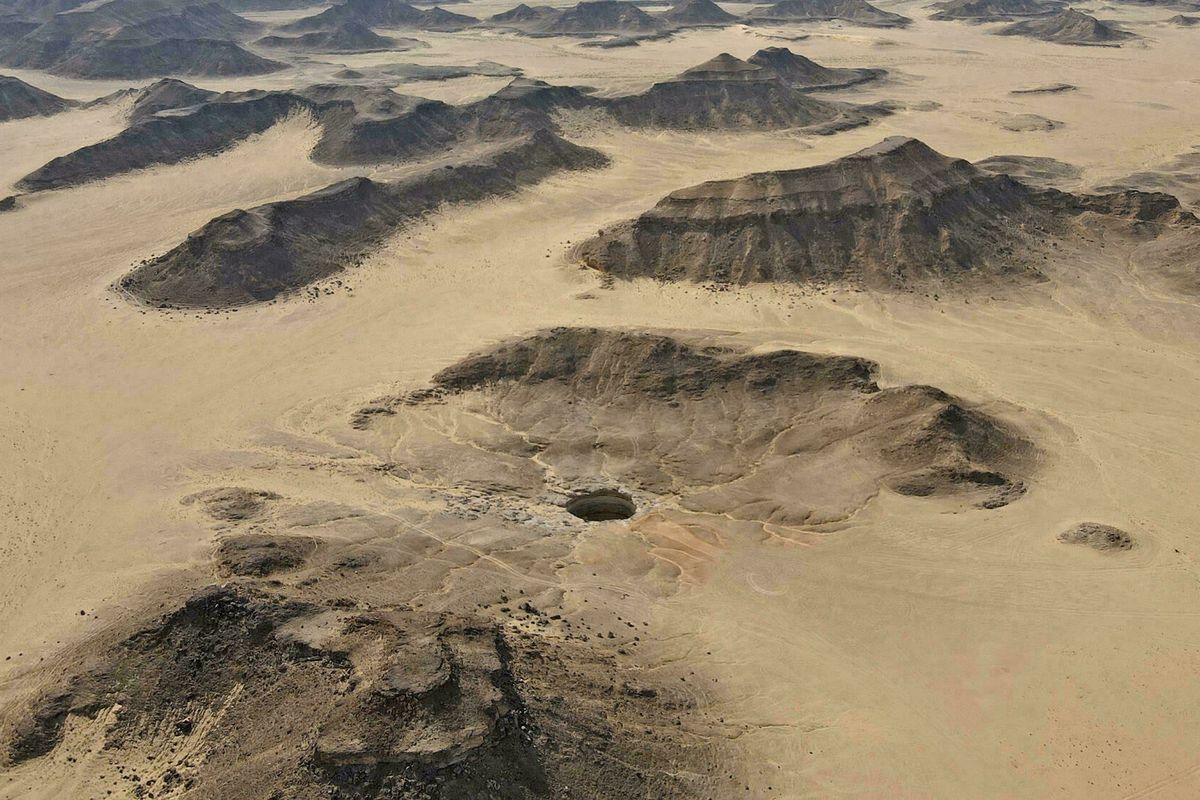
column 602, row 505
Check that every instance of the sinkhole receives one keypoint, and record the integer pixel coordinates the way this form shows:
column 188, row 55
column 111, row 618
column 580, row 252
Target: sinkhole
column 601, row 505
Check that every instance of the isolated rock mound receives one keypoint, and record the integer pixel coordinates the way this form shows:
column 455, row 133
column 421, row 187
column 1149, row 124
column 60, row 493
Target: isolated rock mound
column 382, row 14
column 1104, row 538
column 350, row 37
column 167, row 94
column 601, row 17
column 896, row 215
column 727, row 93
column 1069, row 27
column 148, row 58
column 994, row 10
column 232, row 503
column 1184, row 21
column 796, row 70
column 283, row 697
column 19, row 100
column 859, row 12
column 698, row 13
column 1047, row 88
column 253, row 256
column 260, row 555
column 784, row 436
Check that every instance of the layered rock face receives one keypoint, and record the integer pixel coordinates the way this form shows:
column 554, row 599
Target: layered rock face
column 892, row 216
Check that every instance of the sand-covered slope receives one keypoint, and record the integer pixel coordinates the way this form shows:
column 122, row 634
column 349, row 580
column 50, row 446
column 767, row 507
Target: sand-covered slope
column 591, row 413
column 206, row 128
column 256, row 255
column 897, row 214
column 19, row 100
column 859, row 12
column 1069, row 27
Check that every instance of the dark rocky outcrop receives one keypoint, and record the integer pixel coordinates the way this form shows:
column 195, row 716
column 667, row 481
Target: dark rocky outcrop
column 584, row 19
column 286, row 697
column 19, row 100
column 698, row 13
column 727, row 93
column 1069, row 27
column 128, row 39
column 859, row 12
column 892, row 216
column 252, row 256
column 1104, row 538
column 167, row 94
column 383, row 14
column 718, row 429
column 994, row 10
column 804, row 73
column 260, row 555
column 349, row 37
column 165, row 139
column 361, row 125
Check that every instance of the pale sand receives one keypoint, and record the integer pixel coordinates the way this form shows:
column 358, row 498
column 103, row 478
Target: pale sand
column 912, row 651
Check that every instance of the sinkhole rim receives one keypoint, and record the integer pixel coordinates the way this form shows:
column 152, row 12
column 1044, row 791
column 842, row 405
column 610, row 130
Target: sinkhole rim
column 601, row 505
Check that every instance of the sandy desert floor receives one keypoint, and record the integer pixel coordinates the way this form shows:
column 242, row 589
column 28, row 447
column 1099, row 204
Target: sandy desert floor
column 912, row 649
